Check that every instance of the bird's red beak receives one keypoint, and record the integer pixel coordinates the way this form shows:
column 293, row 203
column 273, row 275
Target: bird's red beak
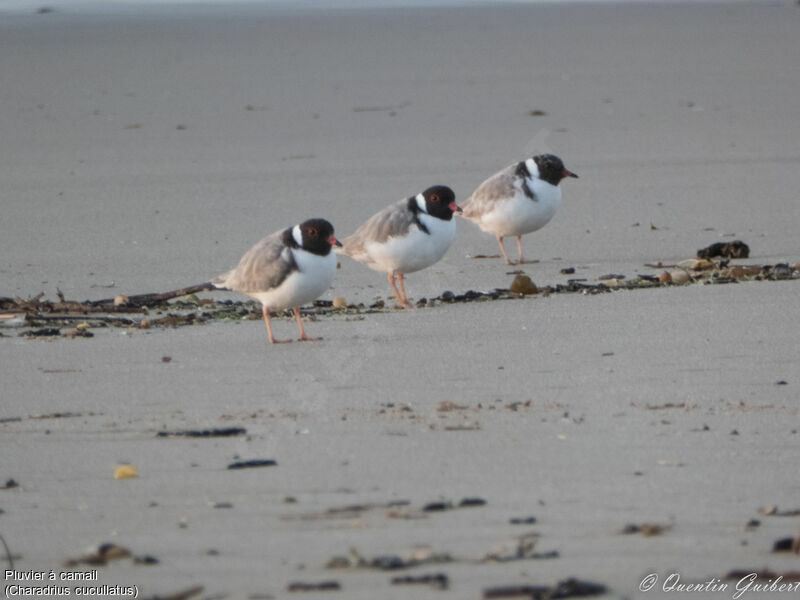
column 333, row 241
column 454, row 207
column 568, row 173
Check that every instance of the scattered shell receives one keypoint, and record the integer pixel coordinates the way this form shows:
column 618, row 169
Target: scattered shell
column 523, row 284
column 121, row 300
column 697, row 264
column 339, row 302
column 665, row 277
column 126, row 472
column 680, row 276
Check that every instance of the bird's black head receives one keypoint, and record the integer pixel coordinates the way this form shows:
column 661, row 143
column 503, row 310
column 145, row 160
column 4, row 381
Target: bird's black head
column 551, row 168
column 317, row 236
column 440, row 201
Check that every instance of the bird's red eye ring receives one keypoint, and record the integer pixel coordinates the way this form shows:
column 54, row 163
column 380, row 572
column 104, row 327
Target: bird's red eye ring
column 435, row 198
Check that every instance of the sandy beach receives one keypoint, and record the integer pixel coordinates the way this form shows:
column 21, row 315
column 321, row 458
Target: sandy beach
column 146, row 152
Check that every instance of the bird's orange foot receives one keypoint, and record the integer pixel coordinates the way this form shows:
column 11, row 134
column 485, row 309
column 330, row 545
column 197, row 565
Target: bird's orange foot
column 306, row 338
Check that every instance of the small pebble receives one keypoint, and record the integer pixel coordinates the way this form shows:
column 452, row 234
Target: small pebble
column 523, row 284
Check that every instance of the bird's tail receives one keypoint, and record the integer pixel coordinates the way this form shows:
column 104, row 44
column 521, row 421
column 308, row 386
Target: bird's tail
column 218, row 283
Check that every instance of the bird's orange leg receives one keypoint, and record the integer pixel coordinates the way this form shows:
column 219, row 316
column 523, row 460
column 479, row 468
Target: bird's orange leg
column 400, row 298
column 272, row 339
column 303, row 336
column 404, row 300
column 519, row 249
column 503, row 249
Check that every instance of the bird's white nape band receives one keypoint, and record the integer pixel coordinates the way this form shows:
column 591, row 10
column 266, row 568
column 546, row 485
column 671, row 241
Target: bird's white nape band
column 421, row 203
column 532, row 167
column 297, row 235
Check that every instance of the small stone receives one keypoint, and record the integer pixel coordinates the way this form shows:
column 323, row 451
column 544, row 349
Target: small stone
column 121, row 300
column 339, row 302
column 523, row 284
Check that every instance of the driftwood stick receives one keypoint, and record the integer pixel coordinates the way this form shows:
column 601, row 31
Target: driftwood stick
column 145, row 299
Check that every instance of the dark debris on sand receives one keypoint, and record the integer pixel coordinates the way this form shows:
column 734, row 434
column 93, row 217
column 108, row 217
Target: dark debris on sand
column 45, row 319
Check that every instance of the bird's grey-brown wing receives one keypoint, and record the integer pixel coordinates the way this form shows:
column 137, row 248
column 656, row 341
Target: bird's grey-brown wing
column 393, row 221
column 264, row 267
column 500, row 186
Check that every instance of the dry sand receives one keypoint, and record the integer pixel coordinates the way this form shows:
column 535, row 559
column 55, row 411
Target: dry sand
column 149, row 152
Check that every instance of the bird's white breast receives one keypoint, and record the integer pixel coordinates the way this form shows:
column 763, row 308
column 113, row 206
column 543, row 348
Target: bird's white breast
column 312, row 278
column 518, row 214
column 414, row 251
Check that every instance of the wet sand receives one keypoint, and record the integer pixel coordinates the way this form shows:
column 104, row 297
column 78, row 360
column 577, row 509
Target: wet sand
column 148, row 153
